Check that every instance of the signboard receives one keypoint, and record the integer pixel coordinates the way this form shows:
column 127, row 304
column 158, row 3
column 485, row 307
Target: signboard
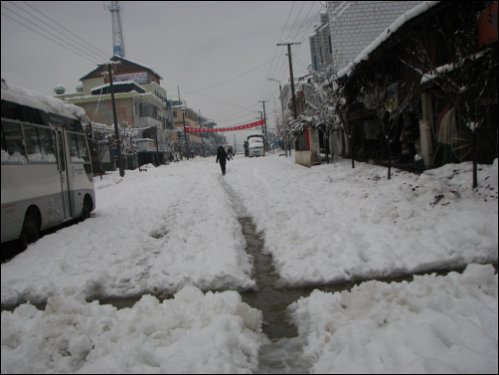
column 140, row 77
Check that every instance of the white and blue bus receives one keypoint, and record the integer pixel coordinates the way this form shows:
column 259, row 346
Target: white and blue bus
column 46, row 169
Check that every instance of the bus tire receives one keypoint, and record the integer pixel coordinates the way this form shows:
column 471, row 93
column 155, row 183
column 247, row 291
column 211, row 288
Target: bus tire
column 87, row 208
column 31, row 227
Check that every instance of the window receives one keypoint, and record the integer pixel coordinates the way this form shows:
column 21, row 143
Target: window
column 39, row 144
column 33, row 115
column 11, row 110
column 78, row 149
column 13, row 150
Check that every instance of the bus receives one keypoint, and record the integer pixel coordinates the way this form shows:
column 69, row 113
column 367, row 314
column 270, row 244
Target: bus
column 256, row 145
column 46, row 169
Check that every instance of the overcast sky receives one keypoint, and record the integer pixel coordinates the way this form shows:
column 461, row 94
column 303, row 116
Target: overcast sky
column 191, row 44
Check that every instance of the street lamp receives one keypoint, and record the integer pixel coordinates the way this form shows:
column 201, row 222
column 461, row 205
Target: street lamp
column 282, row 113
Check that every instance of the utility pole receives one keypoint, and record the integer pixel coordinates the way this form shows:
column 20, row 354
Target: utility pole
column 116, row 131
column 265, row 124
column 291, row 78
column 183, row 119
column 157, row 145
column 285, row 128
column 201, row 134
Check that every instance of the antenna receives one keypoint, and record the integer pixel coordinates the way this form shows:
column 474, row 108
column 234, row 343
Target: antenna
column 118, row 42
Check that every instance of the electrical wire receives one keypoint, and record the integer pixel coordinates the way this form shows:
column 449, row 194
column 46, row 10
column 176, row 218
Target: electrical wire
column 59, row 43
column 231, row 79
column 54, row 32
column 103, row 53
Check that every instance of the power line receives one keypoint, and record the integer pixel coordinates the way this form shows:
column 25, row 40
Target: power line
column 79, row 53
column 293, row 32
column 298, row 35
column 307, row 24
column 265, row 84
column 224, row 102
column 68, row 30
column 296, row 21
column 232, row 118
column 231, row 79
column 64, row 38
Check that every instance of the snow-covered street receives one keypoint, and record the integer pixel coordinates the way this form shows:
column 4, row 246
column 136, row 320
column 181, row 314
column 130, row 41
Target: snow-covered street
column 175, row 230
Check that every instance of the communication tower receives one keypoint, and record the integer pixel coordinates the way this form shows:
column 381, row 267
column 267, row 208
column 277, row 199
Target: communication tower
column 118, row 42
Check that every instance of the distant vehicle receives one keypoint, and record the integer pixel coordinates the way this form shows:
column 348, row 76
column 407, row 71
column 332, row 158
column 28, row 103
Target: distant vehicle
column 46, row 169
column 256, row 145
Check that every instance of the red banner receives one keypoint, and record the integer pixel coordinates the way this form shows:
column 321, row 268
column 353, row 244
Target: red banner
column 234, row 128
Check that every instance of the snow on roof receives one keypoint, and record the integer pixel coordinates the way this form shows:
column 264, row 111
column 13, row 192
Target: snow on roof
column 255, row 135
column 40, row 101
column 385, row 35
column 115, row 59
column 302, row 122
column 136, row 63
column 137, row 87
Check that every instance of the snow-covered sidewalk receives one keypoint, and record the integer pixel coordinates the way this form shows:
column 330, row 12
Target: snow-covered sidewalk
column 333, row 223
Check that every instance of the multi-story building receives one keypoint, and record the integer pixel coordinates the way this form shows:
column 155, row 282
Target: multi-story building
column 355, row 24
column 320, row 45
column 141, row 104
column 185, row 116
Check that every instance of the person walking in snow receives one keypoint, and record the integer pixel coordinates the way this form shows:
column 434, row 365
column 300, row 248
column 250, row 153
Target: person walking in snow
column 222, row 158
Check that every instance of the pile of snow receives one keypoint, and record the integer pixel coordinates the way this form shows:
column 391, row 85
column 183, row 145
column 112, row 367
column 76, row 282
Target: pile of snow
column 192, row 333
column 431, row 325
column 335, row 223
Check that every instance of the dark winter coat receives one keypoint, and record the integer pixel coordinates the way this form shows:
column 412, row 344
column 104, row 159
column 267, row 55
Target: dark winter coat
column 222, row 156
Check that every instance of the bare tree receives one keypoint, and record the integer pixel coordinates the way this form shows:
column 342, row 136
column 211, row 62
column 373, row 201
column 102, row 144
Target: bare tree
column 331, row 104
column 374, row 94
column 321, row 103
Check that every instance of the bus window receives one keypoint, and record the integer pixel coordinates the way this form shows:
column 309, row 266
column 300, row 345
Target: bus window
column 12, row 143
column 39, row 144
column 78, row 148
column 33, row 115
column 11, row 110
